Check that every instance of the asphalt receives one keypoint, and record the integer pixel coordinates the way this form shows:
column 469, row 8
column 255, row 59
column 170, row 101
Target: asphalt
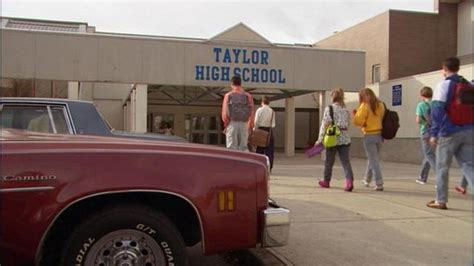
column 251, row 257
column 367, row 227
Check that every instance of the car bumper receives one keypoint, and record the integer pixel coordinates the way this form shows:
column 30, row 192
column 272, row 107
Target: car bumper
column 276, row 226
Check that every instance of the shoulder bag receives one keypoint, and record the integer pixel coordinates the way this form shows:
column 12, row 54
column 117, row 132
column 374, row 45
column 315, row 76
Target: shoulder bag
column 332, row 132
column 260, row 137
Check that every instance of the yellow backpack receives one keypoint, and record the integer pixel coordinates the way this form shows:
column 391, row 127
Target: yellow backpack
column 332, row 132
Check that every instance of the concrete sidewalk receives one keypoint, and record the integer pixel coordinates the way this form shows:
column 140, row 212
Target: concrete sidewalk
column 365, row 227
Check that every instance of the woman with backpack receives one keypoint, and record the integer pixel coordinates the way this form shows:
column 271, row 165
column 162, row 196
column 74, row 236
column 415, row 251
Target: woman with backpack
column 369, row 117
column 338, row 116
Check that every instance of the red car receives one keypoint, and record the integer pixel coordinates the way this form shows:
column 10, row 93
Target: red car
column 85, row 200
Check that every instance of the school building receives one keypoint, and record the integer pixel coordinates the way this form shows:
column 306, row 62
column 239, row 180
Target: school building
column 152, row 83
column 404, row 50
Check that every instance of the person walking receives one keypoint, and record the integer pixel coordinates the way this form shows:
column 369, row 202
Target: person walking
column 452, row 129
column 423, row 110
column 423, row 114
column 265, row 120
column 337, row 115
column 369, row 117
column 462, row 188
column 237, row 115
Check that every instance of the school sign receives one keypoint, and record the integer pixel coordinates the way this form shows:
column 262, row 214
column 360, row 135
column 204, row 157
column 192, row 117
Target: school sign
column 252, row 65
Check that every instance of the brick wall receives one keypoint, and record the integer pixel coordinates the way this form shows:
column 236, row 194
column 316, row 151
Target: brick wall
column 419, row 42
column 403, row 43
column 371, row 36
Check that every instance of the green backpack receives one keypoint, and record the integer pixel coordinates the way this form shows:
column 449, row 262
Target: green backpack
column 332, row 132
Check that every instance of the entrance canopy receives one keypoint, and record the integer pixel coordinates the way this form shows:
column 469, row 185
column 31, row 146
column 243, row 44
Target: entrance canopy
column 178, row 62
column 209, row 96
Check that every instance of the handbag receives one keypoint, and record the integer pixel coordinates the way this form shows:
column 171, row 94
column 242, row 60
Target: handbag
column 332, row 132
column 260, row 137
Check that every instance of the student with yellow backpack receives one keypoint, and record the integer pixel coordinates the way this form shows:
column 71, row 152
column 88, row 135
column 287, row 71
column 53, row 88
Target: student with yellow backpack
column 335, row 137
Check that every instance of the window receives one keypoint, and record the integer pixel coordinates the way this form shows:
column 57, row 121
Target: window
column 60, row 120
column 37, row 118
column 376, row 73
column 162, row 123
column 205, row 129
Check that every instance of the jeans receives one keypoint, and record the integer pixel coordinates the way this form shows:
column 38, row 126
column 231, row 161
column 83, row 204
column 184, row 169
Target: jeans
column 270, row 149
column 372, row 145
column 343, row 151
column 237, row 134
column 461, row 146
column 429, row 157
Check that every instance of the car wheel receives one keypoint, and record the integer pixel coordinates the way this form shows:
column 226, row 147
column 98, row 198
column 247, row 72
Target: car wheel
column 127, row 236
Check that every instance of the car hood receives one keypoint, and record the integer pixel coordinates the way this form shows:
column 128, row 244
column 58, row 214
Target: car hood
column 148, row 136
column 32, row 139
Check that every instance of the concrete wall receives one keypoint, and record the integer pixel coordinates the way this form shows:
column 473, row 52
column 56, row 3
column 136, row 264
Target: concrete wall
column 465, row 30
column 371, row 36
column 302, row 101
column 109, row 99
column 130, row 59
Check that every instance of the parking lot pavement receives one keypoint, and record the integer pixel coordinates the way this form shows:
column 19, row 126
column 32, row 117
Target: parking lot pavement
column 366, row 227
column 251, row 257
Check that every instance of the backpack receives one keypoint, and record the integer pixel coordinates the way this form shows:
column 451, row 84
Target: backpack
column 461, row 102
column 239, row 109
column 390, row 123
column 332, row 132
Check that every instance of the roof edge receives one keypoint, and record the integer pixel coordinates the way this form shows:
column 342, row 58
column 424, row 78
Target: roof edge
column 46, row 20
column 239, row 25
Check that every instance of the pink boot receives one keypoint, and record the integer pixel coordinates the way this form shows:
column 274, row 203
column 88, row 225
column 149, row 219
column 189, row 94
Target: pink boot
column 324, row 184
column 349, row 185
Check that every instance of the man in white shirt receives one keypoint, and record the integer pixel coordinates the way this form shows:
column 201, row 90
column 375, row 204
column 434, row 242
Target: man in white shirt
column 265, row 120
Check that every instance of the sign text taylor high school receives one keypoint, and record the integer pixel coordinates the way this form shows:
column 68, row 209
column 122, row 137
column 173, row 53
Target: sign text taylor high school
column 227, row 59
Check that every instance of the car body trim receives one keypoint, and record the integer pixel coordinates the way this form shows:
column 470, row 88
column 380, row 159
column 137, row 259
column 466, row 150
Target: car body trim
column 43, row 238
column 132, row 151
column 25, row 189
column 51, row 120
column 276, row 227
column 70, row 122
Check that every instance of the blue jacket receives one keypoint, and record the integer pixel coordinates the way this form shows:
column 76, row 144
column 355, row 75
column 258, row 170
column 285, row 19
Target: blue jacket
column 441, row 125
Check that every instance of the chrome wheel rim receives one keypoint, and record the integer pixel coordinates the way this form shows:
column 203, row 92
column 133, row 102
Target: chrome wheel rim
column 125, row 248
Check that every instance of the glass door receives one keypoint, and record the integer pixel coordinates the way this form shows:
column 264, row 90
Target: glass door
column 205, row 129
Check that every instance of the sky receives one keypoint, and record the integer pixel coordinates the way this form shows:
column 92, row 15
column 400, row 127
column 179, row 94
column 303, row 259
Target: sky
column 278, row 21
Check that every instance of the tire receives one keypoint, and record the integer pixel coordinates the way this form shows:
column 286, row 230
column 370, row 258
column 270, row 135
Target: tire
column 129, row 234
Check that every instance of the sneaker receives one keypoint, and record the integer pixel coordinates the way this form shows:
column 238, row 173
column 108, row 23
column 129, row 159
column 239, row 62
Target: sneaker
column 419, row 181
column 349, row 186
column 460, row 190
column 378, row 188
column 365, row 182
column 437, row 205
column 323, row 184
